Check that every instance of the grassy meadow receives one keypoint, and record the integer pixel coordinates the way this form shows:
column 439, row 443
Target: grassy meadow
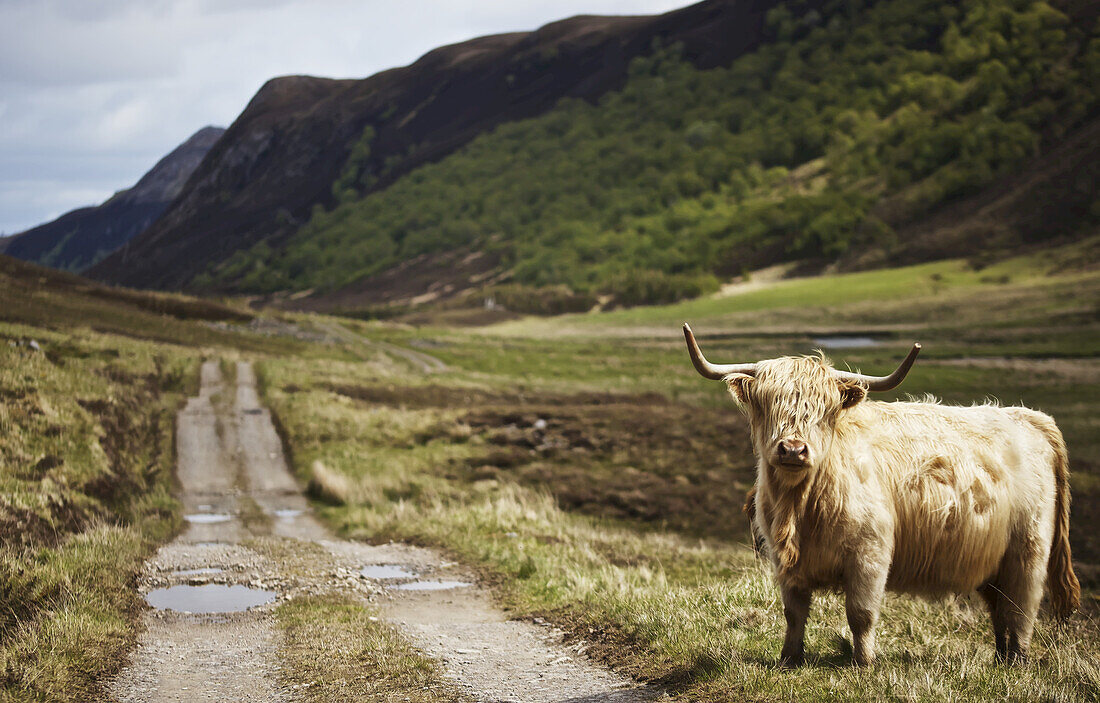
column 577, row 462
column 597, row 481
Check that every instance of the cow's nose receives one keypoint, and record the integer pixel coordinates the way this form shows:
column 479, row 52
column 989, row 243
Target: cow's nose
column 793, row 450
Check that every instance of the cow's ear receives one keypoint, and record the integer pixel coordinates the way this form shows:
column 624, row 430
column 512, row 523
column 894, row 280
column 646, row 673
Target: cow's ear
column 738, row 384
column 851, row 392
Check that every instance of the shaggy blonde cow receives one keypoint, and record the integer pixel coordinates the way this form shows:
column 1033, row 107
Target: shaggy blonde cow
column 917, row 497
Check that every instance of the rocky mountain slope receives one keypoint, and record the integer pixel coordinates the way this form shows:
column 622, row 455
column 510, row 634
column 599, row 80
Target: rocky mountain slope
column 80, row 238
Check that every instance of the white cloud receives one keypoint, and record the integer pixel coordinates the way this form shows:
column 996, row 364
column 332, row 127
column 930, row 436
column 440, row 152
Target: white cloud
column 120, row 83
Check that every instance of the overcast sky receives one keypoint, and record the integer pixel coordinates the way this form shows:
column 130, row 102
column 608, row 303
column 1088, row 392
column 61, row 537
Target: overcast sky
column 94, row 92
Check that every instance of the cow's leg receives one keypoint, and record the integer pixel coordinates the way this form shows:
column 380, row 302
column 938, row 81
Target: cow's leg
column 796, row 608
column 1021, row 586
column 864, row 586
column 991, row 592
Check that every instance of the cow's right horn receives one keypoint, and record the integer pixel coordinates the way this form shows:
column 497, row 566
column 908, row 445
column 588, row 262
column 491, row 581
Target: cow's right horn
column 715, row 372
column 884, row 383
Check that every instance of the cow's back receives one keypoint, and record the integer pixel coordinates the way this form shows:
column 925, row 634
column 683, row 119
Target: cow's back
column 959, row 483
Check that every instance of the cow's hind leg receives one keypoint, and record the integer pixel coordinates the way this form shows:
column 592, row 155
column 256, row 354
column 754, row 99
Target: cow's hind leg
column 995, row 600
column 796, row 609
column 1020, row 585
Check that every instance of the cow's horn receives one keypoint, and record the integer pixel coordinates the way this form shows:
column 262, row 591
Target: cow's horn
column 715, row 372
column 885, row 383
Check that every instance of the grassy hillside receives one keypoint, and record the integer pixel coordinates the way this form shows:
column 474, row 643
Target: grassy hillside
column 852, row 121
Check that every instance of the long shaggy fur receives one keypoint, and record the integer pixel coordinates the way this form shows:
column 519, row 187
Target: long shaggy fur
column 911, row 496
column 1065, row 589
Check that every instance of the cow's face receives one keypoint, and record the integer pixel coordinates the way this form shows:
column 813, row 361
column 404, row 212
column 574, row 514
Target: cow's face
column 793, row 405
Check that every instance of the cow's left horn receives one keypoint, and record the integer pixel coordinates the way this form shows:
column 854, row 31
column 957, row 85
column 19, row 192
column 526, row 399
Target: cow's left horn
column 715, row 372
column 885, row 383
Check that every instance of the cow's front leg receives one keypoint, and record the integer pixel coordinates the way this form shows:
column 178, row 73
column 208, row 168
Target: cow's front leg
column 865, row 584
column 796, row 608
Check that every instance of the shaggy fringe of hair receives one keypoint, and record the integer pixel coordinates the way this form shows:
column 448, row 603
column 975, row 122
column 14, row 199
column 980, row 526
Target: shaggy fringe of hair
column 1065, row 589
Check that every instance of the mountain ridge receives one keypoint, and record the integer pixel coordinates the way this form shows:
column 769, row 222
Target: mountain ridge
column 281, row 156
column 81, row 237
column 726, row 137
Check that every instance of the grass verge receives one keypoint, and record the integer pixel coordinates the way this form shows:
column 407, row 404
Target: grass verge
column 345, row 653
column 86, row 460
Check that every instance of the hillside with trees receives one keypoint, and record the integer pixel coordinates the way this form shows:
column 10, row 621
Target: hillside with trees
column 856, row 120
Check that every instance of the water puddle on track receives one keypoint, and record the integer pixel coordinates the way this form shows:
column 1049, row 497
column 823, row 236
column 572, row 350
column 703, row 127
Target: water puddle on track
column 430, row 585
column 387, row 571
column 207, row 518
column 208, row 598
column 287, row 513
column 846, row 342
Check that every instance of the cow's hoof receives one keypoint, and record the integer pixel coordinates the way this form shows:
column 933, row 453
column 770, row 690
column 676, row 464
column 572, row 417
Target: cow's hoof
column 791, row 662
column 863, row 659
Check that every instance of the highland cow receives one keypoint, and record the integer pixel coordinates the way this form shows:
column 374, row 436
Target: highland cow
column 917, row 497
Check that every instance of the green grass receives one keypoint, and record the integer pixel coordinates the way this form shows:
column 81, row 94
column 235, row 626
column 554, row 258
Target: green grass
column 342, row 652
column 668, row 598
column 701, row 615
column 934, row 296
column 85, row 495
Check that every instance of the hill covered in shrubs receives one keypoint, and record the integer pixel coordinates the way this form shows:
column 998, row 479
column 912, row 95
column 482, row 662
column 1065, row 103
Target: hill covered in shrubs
column 852, row 122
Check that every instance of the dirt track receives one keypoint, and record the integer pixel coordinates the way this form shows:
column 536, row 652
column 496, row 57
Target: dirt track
column 250, row 526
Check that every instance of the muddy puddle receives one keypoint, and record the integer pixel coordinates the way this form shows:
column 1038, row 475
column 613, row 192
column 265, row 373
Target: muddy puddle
column 846, row 342
column 207, row 518
column 387, row 571
column 287, row 513
column 208, row 598
column 430, row 585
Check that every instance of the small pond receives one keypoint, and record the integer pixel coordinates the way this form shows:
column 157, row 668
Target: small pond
column 846, row 342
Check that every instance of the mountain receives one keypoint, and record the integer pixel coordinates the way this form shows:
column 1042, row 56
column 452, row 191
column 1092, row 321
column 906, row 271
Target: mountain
column 284, row 153
column 80, row 238
column 643, row 159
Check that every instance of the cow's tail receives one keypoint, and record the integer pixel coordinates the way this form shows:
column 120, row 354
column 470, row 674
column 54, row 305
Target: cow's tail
column 1065, row 590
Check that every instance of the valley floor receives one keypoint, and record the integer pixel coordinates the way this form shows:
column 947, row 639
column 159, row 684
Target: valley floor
column 575, row 469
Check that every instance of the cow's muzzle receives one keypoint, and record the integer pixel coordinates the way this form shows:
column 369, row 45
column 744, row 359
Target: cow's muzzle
column 792, row 452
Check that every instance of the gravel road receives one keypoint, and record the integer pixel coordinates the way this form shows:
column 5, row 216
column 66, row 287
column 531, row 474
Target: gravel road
column 249, row 526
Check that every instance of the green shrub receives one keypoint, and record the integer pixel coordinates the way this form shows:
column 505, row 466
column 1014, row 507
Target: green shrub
column 647, row 287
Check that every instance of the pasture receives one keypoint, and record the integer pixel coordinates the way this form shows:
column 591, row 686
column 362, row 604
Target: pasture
column 584, row 467
column 577, row 463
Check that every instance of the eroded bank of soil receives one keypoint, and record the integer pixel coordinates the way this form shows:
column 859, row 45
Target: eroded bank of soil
column 252, row 539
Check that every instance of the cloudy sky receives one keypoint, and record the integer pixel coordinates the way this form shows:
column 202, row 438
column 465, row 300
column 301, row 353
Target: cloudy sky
column 94, row 92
